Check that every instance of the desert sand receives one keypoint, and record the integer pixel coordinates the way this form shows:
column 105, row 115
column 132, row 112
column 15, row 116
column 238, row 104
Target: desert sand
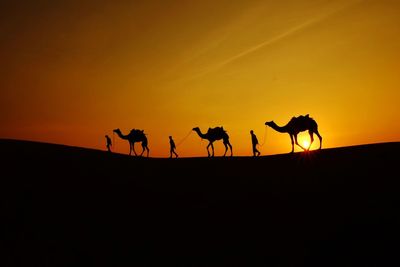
column 69, row 206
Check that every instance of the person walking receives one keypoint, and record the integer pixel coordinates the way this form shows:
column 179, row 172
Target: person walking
column 108, row 143
column 172, row 147
column 254, row 142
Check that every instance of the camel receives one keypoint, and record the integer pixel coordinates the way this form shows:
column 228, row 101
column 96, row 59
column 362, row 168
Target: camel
column 212, row 135
column 297, row 125
column 133, row 137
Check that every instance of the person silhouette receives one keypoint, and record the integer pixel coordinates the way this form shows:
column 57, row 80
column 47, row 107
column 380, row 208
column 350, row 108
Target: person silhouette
column 254, row 142
column 172, row 147
column 108, row 143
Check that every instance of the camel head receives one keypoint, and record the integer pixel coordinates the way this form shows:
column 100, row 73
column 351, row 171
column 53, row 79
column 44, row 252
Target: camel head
column 270, row 123
column 117, row 130
column 197, row 130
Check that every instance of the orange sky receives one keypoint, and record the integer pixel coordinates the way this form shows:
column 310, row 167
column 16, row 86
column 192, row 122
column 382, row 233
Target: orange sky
column 71, row 71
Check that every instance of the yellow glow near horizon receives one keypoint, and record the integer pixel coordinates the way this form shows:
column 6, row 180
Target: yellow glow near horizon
column 306, row 143
column 73, row 72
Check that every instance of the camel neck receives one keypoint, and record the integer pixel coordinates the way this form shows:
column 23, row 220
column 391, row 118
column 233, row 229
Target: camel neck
column 122, row 136
column 200, row 134
column 279, row 128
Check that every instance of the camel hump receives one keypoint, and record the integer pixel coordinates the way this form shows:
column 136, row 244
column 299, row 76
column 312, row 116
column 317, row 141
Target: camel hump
column 305, row 120
column 136, row 132
column 216, row 130
column 302, row 117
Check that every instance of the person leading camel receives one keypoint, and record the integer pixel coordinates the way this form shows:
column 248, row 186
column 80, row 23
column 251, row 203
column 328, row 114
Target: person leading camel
column 172, row 147
column 108, row 143
column 254, row 142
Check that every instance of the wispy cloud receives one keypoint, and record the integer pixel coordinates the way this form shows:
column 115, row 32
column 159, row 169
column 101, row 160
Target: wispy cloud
column 271, row 41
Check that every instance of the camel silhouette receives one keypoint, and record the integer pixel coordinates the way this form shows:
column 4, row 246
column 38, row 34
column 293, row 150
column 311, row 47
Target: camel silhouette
column 133, row 137
column 212, row 135
column 297, row 125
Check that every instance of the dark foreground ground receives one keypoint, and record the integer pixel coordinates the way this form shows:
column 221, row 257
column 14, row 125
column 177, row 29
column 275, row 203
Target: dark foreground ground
column 65, row 206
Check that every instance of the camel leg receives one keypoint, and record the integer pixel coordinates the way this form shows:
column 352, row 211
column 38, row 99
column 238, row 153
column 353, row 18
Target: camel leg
column 130, row 148
column 212, row 147
column 226, row 148
column 291, row 139
column 208, row 152
column 295, row 139
column 311, row 139
column 320, row 139
column 230, row 146
column 133, row 148
column 144, row 147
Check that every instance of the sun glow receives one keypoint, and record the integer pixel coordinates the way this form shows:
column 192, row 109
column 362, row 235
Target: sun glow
column 306, row 143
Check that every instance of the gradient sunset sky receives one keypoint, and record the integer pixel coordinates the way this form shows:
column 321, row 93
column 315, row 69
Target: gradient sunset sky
column 72, row 71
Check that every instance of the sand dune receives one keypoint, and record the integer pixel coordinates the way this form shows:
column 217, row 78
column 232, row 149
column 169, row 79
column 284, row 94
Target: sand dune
column 64, row 206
